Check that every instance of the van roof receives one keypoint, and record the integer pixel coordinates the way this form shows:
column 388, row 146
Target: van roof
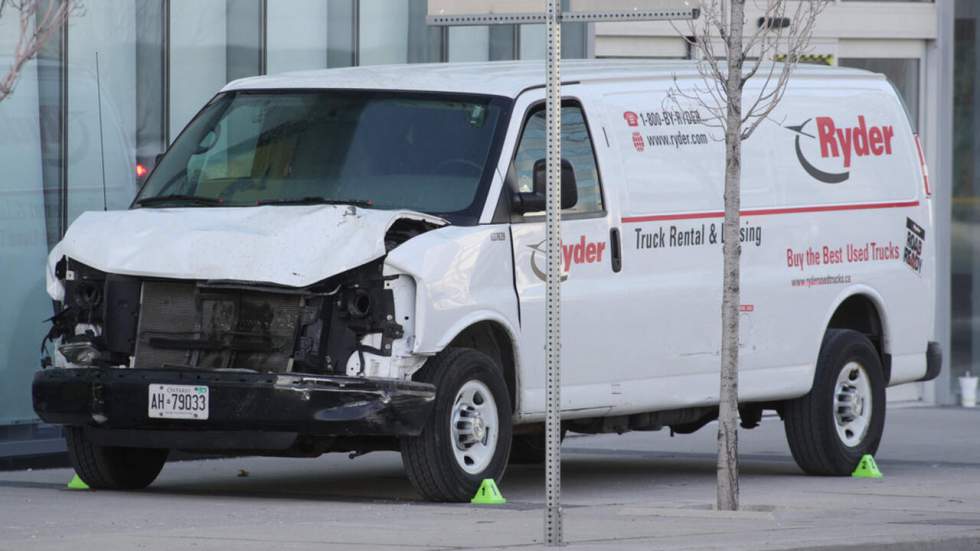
column 501, row 78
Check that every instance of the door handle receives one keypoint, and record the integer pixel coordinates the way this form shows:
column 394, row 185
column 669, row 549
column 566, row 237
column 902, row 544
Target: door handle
column 617, row 250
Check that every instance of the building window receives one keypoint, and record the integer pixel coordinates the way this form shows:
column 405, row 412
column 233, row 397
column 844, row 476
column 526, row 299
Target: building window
column 29, row 147
column 965, row 229
column 396, row 32
column 198, row 57
column 297, row 35
column 102, row 107
column 902, row 73
column 245, row 34
column 152, row 89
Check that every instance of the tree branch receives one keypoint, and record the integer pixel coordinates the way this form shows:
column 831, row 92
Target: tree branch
column 34, row 32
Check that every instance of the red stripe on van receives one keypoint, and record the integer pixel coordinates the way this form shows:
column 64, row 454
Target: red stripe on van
column 765, row 212
column 922, row 164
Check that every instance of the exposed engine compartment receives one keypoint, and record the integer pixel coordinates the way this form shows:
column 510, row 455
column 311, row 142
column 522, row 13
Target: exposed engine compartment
column 327, row 328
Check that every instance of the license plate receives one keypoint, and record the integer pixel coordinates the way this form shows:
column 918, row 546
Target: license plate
column 178, row 402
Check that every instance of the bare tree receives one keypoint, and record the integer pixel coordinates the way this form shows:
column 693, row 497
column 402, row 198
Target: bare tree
column 727, row 60
column 38, row 21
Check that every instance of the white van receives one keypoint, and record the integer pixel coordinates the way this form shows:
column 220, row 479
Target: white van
column 353, row 260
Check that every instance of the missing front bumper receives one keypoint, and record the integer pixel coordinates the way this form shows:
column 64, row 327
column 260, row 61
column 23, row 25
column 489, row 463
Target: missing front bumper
column 116, row 399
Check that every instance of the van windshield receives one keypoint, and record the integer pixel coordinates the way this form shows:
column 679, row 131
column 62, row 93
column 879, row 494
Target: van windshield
column 386, row 150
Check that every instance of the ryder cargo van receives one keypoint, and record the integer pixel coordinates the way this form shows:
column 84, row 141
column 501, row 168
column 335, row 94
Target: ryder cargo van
column 353, row 260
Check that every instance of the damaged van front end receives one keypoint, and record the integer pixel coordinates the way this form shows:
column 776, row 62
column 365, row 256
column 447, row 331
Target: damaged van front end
column 285, row 282
column 276, row 330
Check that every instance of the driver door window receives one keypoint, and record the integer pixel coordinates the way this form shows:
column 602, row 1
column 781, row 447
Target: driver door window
column 576, row 147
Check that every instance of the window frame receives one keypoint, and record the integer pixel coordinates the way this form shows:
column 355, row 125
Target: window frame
column 507, row 188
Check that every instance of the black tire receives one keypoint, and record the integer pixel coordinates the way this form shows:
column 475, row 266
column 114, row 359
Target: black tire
column 810, row 421
column 429, row 458
column 111, row 468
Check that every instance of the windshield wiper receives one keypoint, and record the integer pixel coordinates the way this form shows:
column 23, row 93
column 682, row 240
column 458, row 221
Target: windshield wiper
column 179, row 198
column 313, row 200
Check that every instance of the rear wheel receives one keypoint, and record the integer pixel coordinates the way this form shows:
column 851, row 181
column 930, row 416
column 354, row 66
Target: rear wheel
column 467, row 437
column 112, row 468
column 843, row 416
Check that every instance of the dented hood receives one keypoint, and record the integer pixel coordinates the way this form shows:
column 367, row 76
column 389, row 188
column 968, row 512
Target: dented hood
column 293, row 246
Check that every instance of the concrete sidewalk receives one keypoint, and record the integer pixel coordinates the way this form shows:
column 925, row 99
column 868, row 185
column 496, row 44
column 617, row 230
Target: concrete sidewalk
column 636, row 491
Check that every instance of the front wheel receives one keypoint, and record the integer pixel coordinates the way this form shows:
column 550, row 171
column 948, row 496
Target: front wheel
column 112, row 468
column 843, row 416
column 467, row 437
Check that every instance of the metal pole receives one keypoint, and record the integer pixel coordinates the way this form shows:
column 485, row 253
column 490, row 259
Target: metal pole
column 444, row 12
column 552, row 521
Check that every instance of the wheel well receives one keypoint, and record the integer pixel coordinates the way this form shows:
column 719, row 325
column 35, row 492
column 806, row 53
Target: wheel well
column 860, row 314
column 492, row 339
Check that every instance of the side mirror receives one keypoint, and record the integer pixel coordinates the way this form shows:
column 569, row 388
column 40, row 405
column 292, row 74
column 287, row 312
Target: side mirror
column 536, row 200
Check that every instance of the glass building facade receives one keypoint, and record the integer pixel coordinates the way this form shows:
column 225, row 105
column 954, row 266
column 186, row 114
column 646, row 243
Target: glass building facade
column 965, row 226
column 110, row 92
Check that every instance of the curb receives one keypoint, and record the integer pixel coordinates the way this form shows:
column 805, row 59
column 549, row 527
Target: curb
column 951, row 543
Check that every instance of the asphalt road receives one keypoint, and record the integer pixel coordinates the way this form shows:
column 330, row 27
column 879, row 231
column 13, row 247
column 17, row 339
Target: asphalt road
column 636, row 491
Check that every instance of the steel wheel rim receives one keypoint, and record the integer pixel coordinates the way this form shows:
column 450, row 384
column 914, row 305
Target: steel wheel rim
column 473, row 427
column 852, row 404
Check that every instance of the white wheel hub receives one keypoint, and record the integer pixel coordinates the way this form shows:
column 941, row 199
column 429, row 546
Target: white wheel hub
column 473, row 427
column 852, row 404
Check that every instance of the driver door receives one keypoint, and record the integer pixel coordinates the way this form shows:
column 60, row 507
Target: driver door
column 589, row 322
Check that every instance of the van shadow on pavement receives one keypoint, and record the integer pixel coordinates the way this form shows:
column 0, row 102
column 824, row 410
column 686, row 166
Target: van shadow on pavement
column 585, row 471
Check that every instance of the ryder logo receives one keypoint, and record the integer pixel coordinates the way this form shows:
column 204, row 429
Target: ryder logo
column 843, row 145
column 583, row 252
column 638, row 142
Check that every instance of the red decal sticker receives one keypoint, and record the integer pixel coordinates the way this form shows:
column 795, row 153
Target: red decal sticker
column 632, row 118
column 638, row 141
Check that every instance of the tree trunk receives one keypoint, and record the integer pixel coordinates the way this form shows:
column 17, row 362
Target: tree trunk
column 731, row 248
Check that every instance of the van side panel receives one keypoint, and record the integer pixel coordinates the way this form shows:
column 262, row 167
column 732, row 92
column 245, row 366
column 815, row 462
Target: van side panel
column 831, row 197
column 670, row 179
column 844, row 162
